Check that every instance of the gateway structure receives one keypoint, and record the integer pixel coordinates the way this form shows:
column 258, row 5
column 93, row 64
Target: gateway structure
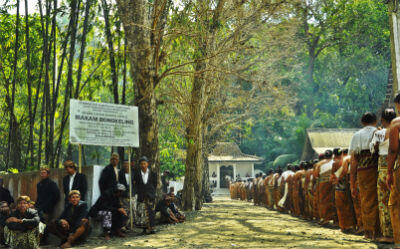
column 227, row 162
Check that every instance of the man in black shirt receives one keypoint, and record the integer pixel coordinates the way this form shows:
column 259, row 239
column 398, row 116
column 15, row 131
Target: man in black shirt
column 146, row 185
column 72, row 225
column 21, row 229
column 109, row 209
column 109, row 175
column 4, row 215
column 73, row 181
column 5, row 193
column 48, row 195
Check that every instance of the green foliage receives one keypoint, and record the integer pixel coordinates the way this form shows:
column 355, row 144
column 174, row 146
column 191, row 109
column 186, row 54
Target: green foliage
column 349, row 78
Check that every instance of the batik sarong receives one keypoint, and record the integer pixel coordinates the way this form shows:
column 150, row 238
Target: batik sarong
column 394, row 205
column 344, row 210
column 106, row 219
column 367, row 179
column 145, row 216
column 326, row 198
column 22, row 240
column 383, row 199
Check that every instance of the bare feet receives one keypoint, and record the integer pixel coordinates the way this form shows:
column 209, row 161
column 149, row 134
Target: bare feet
column 66, row 245
column 120, row 234
column 387, row 240
column 107, row 236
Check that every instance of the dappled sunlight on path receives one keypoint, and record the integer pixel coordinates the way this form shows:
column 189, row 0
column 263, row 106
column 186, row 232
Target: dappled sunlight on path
column 236, row 224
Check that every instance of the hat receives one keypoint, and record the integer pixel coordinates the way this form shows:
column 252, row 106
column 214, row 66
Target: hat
column 23, row 198
column 143, row 158
column 121, row 187
column 46, row 168
column 70, row 163
column 114, row 155
column 74, row 192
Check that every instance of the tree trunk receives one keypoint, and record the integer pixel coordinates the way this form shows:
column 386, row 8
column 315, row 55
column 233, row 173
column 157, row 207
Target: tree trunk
column 29, row 151
column 70, row 83
column 192, row 189
column 143, row 74
column 111, row 54
column 13, row 121
column 85, row 31
column 206, row 193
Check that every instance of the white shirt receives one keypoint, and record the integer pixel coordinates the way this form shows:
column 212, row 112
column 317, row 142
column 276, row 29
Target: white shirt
column 286, row 174
column 326, row 167
column 379, row 137
column 71, row 181
column 116, row 173
column 361, row 139
column 127, row 179
column 145, row 176
column 280, row 180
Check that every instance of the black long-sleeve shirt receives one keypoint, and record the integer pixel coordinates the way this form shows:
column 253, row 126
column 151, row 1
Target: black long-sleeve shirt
column 48, row 195
column 30, row 220
column 74, row 215
column 106, row 202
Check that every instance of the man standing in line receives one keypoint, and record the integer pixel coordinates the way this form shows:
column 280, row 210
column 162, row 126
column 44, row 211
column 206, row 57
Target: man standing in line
column 343, row 202
column 364, row 168
column 393, row 174
column 326, row 205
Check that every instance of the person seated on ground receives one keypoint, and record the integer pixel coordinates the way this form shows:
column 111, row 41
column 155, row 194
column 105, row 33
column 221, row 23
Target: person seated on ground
column 167, row 215
column 31, row 204
column 42, row 226
column 72, row 226
column 174, row 208
column 22, row 227
column 4, row 215
column 108, row 209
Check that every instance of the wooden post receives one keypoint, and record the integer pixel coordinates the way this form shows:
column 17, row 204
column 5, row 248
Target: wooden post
column 80, row 158
column 130, row 189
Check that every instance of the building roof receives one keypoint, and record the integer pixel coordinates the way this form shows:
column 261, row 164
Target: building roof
column 230, row 152
column 324, row 139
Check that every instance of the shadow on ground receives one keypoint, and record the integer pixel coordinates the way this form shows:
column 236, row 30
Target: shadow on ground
column 236, row 224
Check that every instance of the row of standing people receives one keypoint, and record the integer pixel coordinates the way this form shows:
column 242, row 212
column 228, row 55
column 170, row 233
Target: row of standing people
column 357, row 189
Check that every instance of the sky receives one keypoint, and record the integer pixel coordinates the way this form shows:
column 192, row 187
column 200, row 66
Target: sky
column 32, row 6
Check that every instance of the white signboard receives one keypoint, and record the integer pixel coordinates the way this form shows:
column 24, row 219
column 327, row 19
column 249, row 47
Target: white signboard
column 94, row 123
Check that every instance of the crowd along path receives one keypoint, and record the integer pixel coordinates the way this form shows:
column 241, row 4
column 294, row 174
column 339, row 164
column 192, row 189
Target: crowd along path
column 236, row 224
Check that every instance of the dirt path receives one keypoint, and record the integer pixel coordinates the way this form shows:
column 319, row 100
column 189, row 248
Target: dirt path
column 236, row 224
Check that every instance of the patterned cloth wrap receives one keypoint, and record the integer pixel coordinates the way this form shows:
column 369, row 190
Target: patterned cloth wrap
column 106, row 219
column 383, row 198
column 145, row 214
column 366, row 160
column 22, row 240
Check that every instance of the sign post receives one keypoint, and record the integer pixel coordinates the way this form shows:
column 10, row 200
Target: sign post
column 130, row 189
column 80, row 158
column 103, row 124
